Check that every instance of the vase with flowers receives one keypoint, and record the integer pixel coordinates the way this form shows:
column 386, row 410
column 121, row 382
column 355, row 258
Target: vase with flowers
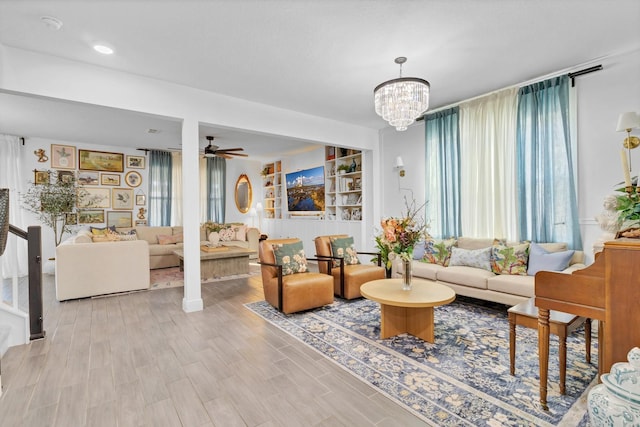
column 398, row 237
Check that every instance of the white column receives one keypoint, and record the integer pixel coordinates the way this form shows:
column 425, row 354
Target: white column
column 192, row 300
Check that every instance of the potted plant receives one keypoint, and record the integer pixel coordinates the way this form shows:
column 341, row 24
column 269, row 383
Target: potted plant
column 342, row 168
column 51, row 200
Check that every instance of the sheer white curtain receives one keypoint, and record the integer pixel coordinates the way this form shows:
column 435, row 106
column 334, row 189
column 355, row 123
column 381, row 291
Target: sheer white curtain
column 487, row 164
column 203, row 190
column 176, row 189
column 14, row 262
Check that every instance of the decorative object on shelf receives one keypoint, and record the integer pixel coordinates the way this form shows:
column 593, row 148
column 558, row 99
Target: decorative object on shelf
column 400, row 235
column 133, row 179
column 4, row 218
column 616, row 401
column 346, row 215
column 627, row 205
column 356, row 214
column 141, row 213
column 352, row 166
column 42, row 156
column 627, row 122
column 401, row 101
column 343, row 169
column 63, row 156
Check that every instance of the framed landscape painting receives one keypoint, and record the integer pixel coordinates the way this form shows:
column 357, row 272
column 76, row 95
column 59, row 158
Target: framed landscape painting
column 91, row 216
column 136, row 162
column 101, row 161
column 66, row 176
column 112, row 179
column 94, row 197
column 119, row 219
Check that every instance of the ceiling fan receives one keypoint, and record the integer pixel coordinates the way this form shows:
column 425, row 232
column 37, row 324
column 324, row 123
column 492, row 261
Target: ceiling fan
column 211, row 150
column 215, row 151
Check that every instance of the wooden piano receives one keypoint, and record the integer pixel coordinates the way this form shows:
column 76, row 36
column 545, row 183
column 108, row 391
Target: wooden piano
column 608, row 291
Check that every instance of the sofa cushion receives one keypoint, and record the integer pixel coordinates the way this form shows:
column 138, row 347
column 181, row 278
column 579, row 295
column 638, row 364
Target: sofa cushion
column 344, row 247
column 541, row 259
column 241, row 232
column 512, row 284
column 169, row 240
column 157, row 250
column 150, row 234
column 510, row 259
column 101, row 231
column 291, row 257
column 438, row 251
column 418, row 250
column 426, row 270
column 474, row 243
column 467, row 276
column 479, row 258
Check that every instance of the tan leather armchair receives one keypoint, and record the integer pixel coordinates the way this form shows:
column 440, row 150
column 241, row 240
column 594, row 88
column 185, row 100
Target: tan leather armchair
column 293, row 292
column 347, row 279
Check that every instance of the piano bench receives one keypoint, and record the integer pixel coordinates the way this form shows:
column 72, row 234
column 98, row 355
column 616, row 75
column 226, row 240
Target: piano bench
column 561, row 324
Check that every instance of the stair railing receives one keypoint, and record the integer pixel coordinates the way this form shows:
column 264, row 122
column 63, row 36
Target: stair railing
column 34, row 253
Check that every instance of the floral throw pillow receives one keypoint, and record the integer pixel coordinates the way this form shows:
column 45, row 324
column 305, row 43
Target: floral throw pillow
column 344, row 247
column 291, row 257
column 438, row 251
column 510, row 259
column 478, row 258
column 227, row 234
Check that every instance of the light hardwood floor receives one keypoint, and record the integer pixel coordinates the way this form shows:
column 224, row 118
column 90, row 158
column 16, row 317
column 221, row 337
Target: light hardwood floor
column 138, row 359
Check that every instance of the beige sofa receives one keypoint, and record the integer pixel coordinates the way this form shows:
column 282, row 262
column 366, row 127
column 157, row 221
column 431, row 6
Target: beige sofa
column 85, row 268
column 482, row 284
column 161, row 248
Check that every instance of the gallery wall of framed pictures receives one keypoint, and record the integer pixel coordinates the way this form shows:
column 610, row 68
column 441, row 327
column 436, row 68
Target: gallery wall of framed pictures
column 112, row 183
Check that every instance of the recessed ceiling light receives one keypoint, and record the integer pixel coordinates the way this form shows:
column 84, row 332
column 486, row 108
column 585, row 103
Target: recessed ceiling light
column 105, row 50
column 51, row 22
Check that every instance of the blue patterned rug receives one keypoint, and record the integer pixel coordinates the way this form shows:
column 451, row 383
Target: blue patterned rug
column 462, row 379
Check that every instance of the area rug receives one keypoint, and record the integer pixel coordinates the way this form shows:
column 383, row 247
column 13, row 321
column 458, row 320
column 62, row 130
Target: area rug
column 461, row 379
column 172, row 277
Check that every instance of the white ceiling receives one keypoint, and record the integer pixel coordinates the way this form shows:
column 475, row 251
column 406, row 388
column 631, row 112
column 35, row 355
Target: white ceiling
column 317, row 57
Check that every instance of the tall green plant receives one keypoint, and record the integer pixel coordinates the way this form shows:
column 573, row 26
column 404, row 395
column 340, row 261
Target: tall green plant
column 50, row 201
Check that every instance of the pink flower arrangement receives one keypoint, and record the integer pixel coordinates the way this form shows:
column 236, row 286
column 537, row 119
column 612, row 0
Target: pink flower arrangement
column 400, row 235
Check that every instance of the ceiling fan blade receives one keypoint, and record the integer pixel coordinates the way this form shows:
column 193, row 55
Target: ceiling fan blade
column 226, row 156
column 236, row 154
column 231, row 149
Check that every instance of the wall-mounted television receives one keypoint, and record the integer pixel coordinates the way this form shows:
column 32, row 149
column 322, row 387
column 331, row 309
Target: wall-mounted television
column 305, row 190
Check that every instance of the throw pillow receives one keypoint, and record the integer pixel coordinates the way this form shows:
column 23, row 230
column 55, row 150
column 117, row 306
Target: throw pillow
column 131, row 235
column 227, row 234
column 291, row 257
column 438, row 251
column 164, row 239
column 510, row 259
column 343, row 247
column 542, row 260
column 241, row 233
column 97, row 231
column 418, row 250
column 478, row 258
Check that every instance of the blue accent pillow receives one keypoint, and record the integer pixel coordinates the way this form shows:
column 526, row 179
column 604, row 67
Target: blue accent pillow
column 418, row 250
column 542, row 260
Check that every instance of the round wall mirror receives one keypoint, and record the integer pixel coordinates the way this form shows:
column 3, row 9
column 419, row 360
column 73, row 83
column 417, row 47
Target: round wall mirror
column 244, row 195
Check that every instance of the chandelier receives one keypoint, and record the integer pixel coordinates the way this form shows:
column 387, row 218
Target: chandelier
column 401, row 101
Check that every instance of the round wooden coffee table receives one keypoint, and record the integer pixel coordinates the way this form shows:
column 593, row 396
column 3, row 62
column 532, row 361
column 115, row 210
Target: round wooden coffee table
column 407, row 311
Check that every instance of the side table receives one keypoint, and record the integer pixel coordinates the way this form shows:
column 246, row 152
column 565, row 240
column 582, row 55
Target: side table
column 560, row 324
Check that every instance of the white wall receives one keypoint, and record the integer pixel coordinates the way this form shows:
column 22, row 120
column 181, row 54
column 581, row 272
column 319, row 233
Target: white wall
column 601, row 97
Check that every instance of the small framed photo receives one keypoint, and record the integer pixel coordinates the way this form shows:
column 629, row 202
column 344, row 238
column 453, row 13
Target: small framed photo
column 119, row 219
column 136, row 162
column 40, row 177
column 88, row 178
column 110, row 179
column 141, row 199
column 91, row 216
column 122, row 198
column 71, row 218
column 66, row 177
column 133, row 179
column 63, row 156
column 356, row 214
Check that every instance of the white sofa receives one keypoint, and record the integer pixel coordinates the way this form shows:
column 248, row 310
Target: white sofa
column 85, row 268
column 482, row 284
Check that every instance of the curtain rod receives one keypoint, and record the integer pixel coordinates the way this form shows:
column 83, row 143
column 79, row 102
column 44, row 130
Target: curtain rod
column 572, row 76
